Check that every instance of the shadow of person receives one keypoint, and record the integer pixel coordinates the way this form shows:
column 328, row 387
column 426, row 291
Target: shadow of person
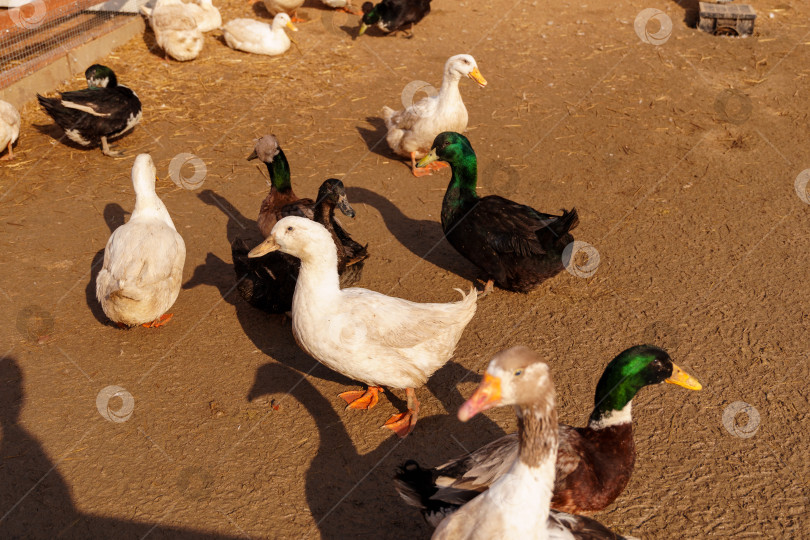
column 424, row 238
column 351, row 494
column 114, row 216
column 239, row 226
column 35, row 500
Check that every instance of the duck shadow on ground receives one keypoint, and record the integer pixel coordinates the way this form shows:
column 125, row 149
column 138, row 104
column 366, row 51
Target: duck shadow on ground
column 114, row 216
column 269, row 333
column 424, row 238
column 35, row 500
column 353, row 495
column 375, row 139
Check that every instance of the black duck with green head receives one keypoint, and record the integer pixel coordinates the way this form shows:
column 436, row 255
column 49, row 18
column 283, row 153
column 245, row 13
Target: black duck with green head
column 515, row 245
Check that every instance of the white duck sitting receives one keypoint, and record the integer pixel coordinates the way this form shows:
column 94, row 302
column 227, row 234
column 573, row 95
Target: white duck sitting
column 9, row 127
column 176, row 28
column 208, row 17
column 517, row 505
column 411, row 131
column 143, row 260
column 256, row 37
column 365, row 335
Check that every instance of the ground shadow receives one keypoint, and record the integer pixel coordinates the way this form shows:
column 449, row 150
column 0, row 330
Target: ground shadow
column 57, row 133
column 269, row 333
column 424, row 238
column 114, row 216
column 35, row 500
column 375, row 139
column 691, row 13
column 353, row 495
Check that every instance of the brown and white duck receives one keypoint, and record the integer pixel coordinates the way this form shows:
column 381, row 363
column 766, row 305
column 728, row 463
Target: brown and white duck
column 516, row 505
column 594, row 463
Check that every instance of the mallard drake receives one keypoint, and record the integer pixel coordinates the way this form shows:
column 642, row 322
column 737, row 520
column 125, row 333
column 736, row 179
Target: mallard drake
column 143, row 261
column 290, row 7
column 177, row 28
column 515, row 245
column 393, row 15
column 367, row 336
column 594, row 463
column 411, row 131
column 103, row 111
column 9, row 128
column 281, row 201
column 268, row 283
column 517, row 504
column 257, row 37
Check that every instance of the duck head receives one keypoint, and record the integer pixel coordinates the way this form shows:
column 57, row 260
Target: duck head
column 297, row 236
column 265, row 149
column 371, row 16
column 99, row 76
column 464, row 65
column 144, row 174
column 516, row 376
column 448, row 146
column 629, row 372
column 333, row 193
column 281, row 20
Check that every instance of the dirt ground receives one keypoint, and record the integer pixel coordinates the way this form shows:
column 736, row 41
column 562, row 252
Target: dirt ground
column 682, row 158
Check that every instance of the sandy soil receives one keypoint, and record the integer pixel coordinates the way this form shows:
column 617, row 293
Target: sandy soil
column 681, row 158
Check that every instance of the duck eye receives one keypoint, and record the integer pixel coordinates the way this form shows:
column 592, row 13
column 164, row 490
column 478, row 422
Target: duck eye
column 289, row 228
column 518, row 372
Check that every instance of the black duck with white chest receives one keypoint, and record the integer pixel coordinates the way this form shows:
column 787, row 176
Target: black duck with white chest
column 515, row 245
column 103, row 111
column 393, row 15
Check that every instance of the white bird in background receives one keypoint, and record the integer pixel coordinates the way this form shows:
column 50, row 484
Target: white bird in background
column 9, row 128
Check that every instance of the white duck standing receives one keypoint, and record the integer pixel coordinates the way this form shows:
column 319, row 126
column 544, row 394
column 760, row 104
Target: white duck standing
column 257, row 37
column 365, row 335
column 411, row 131
column 9, row 128
column 143, row 260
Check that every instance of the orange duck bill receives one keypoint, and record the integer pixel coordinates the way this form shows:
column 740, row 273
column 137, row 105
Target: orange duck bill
column 486, row 396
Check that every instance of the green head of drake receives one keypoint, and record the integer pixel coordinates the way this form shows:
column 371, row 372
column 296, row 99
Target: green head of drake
column 269, row 151
column 629, row 372
column 99, row 76
column 455, row 149
column 371, row 16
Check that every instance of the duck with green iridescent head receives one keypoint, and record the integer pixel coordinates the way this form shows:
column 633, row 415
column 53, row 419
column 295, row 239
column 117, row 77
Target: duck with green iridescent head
column 594, row 463
column 281, row 201
column 394, row 15
column 515, row 245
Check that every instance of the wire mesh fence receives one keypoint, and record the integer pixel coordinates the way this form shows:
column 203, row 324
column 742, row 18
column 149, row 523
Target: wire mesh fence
column 41, row 31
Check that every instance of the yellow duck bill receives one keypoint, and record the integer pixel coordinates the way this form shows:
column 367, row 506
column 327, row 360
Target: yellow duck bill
column 682, row 378
column 363, row 28
column 430, row 158
column 477, row 77
column 268, row 246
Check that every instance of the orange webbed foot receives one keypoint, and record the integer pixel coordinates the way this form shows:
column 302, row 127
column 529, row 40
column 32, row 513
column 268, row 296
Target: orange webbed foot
column 402, row 424
column 437, row 165
column 160, row 321
column 359, row 399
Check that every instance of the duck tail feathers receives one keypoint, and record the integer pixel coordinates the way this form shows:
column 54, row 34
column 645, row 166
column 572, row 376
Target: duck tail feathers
column 416, row 487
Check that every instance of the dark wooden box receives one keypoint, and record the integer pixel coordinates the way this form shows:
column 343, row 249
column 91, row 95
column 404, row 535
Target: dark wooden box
column 727, row 19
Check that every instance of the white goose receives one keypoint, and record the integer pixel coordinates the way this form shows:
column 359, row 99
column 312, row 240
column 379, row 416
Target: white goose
column 373, row 338
column 9, row 128
column 143, row 260
column 411, row 131
column 517, row 505
column 257, row 37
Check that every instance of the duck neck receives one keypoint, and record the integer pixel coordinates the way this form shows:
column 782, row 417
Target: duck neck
column 449, row 93
column 461, row 190
column 279, row 170
column 537, row 434
column 318, row 275
column 324, row 212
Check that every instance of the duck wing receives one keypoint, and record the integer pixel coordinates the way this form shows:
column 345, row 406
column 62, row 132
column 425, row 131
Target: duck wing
column 266, row 283
column 569, row 526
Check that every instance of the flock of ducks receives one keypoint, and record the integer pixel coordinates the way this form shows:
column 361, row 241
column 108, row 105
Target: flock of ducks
column 535, row 483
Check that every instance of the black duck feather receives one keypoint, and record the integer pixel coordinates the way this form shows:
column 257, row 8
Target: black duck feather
column 393, row 15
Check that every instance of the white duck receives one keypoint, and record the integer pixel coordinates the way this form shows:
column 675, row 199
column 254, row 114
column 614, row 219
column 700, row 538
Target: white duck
column 341, row 5
column 208, row 16
column 254, row 36
column 176, row 28
column 517, row 505
column 9, row 128
column 143, row 260
column 373, row 338
column 290, row 7
column 411, row 131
